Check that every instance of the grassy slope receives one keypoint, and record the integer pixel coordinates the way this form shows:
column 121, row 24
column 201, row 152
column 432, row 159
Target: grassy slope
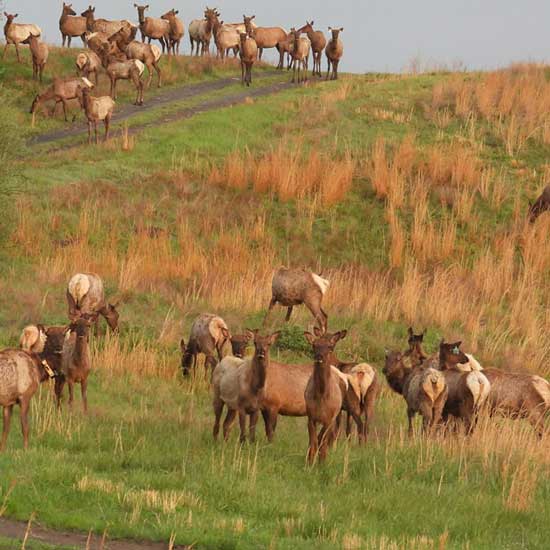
column 151, row 432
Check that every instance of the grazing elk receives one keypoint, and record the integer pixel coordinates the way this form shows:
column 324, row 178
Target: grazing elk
column 96, row 109
column 209, row 333
column 21, row 373
column 153, row 28
column 86, row 297
column 265, row 37
column 61, row 91
column 323, row 395
column 424, row 389
column 300, row 56
column 177, row 30
column 201, row 30
column 318, row 43
column 248, row 51
column 71, row 25
column 88, row 63
column 334, row 52
column 39, row 53
column 542, row 204
column 75, row 361
column 103, row 26
column 295, row 286
column 240, row 385
column 16, row 33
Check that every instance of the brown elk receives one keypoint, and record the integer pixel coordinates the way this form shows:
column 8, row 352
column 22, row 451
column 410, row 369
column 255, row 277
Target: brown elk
column 153, row 28
column 16, row 33
column 318, row 44
column 248, row 51
column 334, row 52
column 292, row 287
column 265, row 37
column 300, row 56
column 201, row 30
column 71, row 25
column 176, row 30
column 39, row 53
column 96, row 109
column 103, row 25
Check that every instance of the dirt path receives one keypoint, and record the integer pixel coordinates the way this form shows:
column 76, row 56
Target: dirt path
column 16, row 530
column 171, row 96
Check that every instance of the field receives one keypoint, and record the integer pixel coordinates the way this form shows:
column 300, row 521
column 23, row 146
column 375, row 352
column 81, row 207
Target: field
column 409, row 192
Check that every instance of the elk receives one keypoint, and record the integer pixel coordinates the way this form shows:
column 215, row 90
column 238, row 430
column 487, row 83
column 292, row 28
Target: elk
column 226, row 38
column 542, row 204
column 21, row 373
column 248, row 51
column 117, row 69
column 103, row 25
column 176, row 30
column 88, row 63
column 209, row 333
column 285, row 46
column 265, row 37
column 148, row 54
column 323, row 395
column 96, row 109
column 334, row 52
column 97, row 41
column 240, row 384
column 39, row 53
column 300, row 56
column 200, row 31
column 239, row 343
column 318, row 43
column 71, row 25
column 85, row 296
column 16, row 33
column 294, row 286
column 75, row 363
column 424, row 389
column 153, row 27
column 61, row 91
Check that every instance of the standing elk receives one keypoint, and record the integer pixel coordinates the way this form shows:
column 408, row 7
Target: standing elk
column 240, row 384
column 318, row 43
column 88, row 63
column 542, row 204
column 103, row 26
column 39, row 53
column 265, row 37
column 300, row 55
column 292, row 287
column 153, row 28
column 334, row 52
column 86, row 297
column 71, row 25
column 96, row 109
column 248, row 51
column 16, row 33
column 177, row 30
column 209, row 333
column 201, row 30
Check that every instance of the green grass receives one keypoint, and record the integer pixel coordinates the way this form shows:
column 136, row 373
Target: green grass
column 148, row 433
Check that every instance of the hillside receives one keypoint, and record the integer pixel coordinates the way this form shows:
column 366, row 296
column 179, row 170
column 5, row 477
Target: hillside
column 409, row 193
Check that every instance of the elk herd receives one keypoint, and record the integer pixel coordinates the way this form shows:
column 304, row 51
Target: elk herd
column 112, row 47
column 448, row 389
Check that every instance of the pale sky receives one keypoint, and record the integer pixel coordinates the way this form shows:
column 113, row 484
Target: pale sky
column 379, row 35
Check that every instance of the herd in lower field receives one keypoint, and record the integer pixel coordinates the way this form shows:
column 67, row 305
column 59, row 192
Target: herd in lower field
column 447, row 387
column 112, row 47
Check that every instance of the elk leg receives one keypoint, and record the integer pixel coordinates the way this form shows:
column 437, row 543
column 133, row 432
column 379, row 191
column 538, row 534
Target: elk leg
column 69, row 41
column 328, row 68
column 58, row 388
column 84, row 393
column 537, row 421
column 242, row 426
column 17, row 52
column 252, row 428
column 62, row 40
column 157, row 68
column 95, row 132
column 270, row 307
column 369, row 412
column 64, row 102
column 324, row 437
column 24, row 405
column 242, row 73
column 107, row 123
column 288, row 314
column 6, row 427
column 71, row 394
column 335, row 65
column 360, row 427
column 218, row 409
column 228, row 422
column 313, row 447
column 89, row 132
column 410, row 416
column 266, row 414
column 5, row 48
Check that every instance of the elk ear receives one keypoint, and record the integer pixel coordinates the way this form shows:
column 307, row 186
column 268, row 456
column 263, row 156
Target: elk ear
column 410, row 332
column 253, row 17
column 176, row 12
column 318, row 332
column 273, row 338
column 341, row 335
column 182, row 345
column 309, row 337
column 250, row 333
column 312, row 23
column 330, row 28
column 386, row 352
column 341, row 29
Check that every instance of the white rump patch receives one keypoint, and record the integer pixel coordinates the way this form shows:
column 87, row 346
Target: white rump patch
column 361, row 378
column 32, row 339
column 323, row 284
column 156, row 51
column 479, row 385
column 542, row 387
column 87, row 82
column 341, row 375
column 79, row 286
column 215, row 328
column 140, row 66
column 81, row 60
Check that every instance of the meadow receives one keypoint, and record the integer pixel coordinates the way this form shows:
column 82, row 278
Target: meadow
column 409, row 192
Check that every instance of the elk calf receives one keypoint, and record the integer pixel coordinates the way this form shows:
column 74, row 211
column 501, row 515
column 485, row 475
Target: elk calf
column 39, row 53
column 248, row 52
column 334, row 52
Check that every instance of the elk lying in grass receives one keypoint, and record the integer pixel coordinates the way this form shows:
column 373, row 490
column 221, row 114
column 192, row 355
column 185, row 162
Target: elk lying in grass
column 148, row 54
column 129, row 69
column 323, row 395
column 86, row 297
column 76, row 364
column 21, row 373
column 240, row 385
column 248, row 51
column 16, row 33
column 96, row 109
column 292, row 287
column 542, row 204
column 318, row 44
column 424, row 389
column 334, row 52
column 176, row 30
column 103, row 25
column 200, row 31
column 265, row 37
column 153, row 28
column 71, row 25
column 88, row 63
column 61, row 91
column 209, row 334
column 39, row 53
column 300, row 56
